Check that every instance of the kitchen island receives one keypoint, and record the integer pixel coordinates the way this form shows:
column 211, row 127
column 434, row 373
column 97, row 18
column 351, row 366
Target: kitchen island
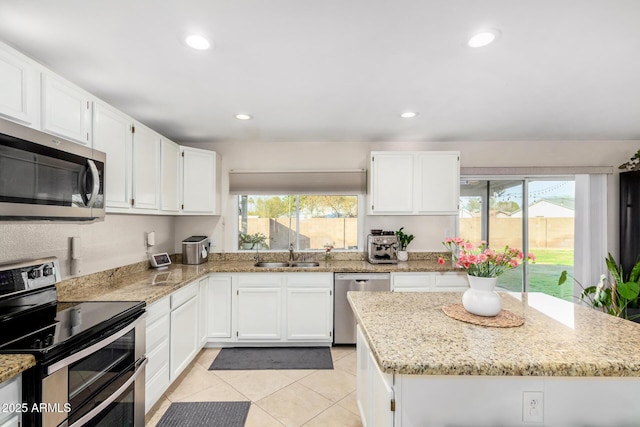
column 568, row 365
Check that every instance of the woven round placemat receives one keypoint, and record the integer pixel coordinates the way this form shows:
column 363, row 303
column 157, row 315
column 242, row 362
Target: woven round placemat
column 504, row 319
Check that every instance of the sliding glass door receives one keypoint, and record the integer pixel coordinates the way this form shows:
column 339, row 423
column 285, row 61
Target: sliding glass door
column 535, row 215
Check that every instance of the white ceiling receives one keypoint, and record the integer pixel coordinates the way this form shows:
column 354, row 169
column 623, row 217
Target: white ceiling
column 343, row 70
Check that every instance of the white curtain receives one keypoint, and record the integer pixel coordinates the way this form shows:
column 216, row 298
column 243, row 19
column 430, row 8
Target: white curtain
column 590, row 230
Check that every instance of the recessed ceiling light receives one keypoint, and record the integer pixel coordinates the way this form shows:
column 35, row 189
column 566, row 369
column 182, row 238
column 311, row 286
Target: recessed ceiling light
column 408, row 114
column 483, row 38
column 197, row 42
column 243, row 116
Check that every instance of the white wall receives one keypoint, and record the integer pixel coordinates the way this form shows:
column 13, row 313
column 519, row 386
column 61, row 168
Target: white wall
column 429, row 231
column 117, row 240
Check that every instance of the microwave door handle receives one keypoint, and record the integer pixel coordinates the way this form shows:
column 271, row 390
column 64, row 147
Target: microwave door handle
column 95, row 184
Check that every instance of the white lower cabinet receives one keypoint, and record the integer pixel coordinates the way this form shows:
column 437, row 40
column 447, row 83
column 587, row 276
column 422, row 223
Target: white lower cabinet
column 203, row 285
column 449, row 281
column 218, row 307
column 283, row 307
column 185, row 342
column 309, row 307
column 157, row 341
column 11, row 394
column 259, row 307
column 374, row 392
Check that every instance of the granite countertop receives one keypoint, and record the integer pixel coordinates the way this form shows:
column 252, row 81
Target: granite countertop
column 409, row 334
column 14, row 364
column 130, row 284
column 152, row 285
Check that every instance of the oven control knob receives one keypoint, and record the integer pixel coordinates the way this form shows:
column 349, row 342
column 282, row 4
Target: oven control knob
column 34, row 274
column 48, row 340
column 37, row 343
column 47, row 270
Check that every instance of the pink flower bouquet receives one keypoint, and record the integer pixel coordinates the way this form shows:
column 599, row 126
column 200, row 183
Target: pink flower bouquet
column 480, row 260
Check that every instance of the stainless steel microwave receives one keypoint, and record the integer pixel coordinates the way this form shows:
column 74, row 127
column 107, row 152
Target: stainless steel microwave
column 46, row 177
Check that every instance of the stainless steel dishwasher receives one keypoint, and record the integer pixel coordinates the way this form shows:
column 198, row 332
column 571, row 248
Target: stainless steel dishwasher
column 344, row 322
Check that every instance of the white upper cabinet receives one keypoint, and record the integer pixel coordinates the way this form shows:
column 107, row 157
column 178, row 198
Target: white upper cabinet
column 146, row 169
column 112, row 135
column 19, row 88
column 66, row 110
column 170, row 169
column 200, row 182
column 438, row 182
column 392, row 180
column 414, row 183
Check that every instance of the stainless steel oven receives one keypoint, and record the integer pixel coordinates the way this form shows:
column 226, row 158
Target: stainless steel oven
column 42, row 176
column 104, row 382
column 90, row 361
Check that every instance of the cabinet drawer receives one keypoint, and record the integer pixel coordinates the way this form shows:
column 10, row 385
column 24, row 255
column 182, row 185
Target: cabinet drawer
column 183, row 295
column 410, row 281
column 158, row 309
column 157, row 332
column 158, row 359
column 450, row 281
column 155, row 386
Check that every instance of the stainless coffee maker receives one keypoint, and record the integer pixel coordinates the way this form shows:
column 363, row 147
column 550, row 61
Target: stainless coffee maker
column 382, row 247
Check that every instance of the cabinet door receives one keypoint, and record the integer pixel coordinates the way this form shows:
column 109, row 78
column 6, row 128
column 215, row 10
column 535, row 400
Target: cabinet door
column 259, row 313
column 219, row 307
column 198, row 181
column 203, row 285
column 112, row 135
column 363, row 378
column 382, row 395
column 412, row 282
column 438, row 182
column 309, row 314
column 170, row 176
column 66, row 110
column 392, row 183
column 19, row 88
column 184, row 336
column 157, row 373
column 11, row 393
column 146, row 168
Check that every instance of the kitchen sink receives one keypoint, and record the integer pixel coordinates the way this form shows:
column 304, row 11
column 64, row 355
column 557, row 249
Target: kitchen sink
column 273, row 264
column 305, row 264
column 269, row 264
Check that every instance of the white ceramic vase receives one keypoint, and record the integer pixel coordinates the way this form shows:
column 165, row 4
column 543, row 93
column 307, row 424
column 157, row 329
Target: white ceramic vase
column 402, row 255
column 481, row 299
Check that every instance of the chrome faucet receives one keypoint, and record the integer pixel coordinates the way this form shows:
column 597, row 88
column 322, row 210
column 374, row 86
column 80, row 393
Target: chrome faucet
column 291, row 257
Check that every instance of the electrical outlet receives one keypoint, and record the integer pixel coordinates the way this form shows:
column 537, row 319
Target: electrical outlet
column 532, row 407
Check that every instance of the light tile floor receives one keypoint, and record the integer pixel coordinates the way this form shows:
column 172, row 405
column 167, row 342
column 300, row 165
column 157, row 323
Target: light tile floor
column 278, row 397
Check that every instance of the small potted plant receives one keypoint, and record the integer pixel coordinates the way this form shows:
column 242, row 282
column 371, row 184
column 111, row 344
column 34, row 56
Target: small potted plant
column 403, row 241
column 251, row 241
column 618, row 296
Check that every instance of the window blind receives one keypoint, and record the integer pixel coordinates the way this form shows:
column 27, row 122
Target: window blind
column 298, row 182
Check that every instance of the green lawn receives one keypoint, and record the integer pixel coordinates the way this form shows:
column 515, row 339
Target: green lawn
column 544, row 274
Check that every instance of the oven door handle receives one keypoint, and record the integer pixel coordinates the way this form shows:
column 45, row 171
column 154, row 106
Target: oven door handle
column 92, row 348
column 95, row 411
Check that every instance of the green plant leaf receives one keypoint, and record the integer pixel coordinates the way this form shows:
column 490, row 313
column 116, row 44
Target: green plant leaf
column 563, row 277
column 635, row 273
column 613, row 268
column 629, row 290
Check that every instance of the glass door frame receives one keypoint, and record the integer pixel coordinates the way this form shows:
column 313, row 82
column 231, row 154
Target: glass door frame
column 485, row 208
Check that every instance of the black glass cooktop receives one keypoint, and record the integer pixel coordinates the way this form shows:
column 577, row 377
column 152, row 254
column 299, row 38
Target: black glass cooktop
column 74, row 325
